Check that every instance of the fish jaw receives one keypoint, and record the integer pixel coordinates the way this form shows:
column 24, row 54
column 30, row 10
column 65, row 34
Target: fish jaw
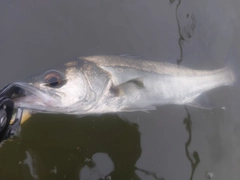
column 33, row 98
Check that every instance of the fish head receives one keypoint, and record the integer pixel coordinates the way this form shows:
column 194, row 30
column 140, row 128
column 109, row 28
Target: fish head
column 70, row 89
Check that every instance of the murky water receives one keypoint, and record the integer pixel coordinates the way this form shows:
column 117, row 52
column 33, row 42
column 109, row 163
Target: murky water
column 174, row 142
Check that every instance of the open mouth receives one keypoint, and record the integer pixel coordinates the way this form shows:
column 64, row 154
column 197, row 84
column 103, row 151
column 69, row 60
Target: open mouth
column 27, row 95
column 31, row 97
column 20, row 93
column 12, row 91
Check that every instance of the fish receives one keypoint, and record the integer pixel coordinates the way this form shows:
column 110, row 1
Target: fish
column 110, row 84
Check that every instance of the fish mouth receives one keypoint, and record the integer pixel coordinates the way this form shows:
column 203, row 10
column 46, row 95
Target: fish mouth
column 30, row 97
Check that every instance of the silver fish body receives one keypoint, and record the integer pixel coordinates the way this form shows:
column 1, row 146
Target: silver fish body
column 103, row 84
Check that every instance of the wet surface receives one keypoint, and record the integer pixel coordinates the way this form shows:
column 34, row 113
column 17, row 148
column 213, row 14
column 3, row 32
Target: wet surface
column 173, row 142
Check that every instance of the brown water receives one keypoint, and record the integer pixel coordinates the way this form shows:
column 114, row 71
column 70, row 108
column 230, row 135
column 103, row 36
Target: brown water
column 173, row 142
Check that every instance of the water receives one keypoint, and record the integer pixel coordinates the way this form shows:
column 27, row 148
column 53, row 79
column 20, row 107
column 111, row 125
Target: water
column 173, row 142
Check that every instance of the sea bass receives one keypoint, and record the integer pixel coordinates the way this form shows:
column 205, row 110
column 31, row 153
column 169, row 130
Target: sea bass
column 106, row 84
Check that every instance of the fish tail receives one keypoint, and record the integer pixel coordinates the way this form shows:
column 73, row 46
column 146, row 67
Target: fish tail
column 232, row 68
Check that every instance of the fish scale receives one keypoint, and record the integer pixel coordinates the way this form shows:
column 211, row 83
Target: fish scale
column 106, row 84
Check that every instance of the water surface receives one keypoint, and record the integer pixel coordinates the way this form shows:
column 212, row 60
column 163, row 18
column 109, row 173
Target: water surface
column 173, row 142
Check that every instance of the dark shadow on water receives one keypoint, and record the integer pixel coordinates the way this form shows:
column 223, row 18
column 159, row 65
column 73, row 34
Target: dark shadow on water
column 63, row 147
column 194, row 157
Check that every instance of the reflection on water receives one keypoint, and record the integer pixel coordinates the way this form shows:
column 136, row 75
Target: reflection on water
column 194, row 157
column 66, row 147
column 149, row 174
column 89, row 148
column 99, row 167
column 30, row 161
column 181, row 38
column 186, row 26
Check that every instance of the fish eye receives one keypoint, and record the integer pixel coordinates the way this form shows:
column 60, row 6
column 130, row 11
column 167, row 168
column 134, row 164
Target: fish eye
column 53, row 79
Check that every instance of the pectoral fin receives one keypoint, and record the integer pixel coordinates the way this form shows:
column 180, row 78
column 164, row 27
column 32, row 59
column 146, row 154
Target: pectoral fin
column 128, row 87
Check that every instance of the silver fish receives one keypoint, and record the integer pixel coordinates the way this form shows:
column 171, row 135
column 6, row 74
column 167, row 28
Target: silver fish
column 105, row 84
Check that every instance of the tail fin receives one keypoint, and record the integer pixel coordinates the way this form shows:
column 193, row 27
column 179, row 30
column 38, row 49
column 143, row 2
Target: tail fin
column 233, row 67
